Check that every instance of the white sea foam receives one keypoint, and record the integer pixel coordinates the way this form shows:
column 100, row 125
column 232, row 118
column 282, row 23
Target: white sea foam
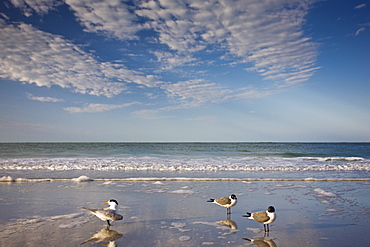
column 49, row 218
column 82, row 179
column 184, row 238
column 182, row 192
column 188, row 164
column 208, row 243
column 183, row 179
column 178, row 225
column 6, row 179
column 322, row 192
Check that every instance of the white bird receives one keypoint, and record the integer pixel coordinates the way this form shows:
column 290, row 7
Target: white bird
column 227, row 202
column 265, row 217
column 107, row 214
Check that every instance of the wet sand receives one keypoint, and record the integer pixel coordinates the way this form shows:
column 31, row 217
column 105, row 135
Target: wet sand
column 176, row 213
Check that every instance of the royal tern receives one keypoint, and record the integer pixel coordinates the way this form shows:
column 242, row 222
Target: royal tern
column 107, row 214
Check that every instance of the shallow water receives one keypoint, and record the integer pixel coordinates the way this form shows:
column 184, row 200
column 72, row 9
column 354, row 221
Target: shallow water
column 176, row 213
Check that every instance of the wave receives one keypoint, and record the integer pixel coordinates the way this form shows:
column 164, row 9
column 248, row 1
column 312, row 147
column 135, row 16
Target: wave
column 85, row 179
column 189, row 164
column 335, row 158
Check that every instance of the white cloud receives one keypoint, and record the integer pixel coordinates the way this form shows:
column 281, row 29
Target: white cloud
column 90, row 108
column 112, row 18
column 266, row 36
column 33, row 56
column 43, row 99
column 39, row 6
column 360, row 30
column 171, row 60
column 197, row 91
column 266, row 33
column 360, row 6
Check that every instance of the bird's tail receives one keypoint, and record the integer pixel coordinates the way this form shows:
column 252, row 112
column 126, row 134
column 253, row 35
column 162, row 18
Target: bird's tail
column 211, row 200
column 247, row 214
column 248, row 239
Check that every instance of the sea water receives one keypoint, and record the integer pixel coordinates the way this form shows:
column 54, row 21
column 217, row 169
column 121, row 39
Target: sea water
column 185, row 160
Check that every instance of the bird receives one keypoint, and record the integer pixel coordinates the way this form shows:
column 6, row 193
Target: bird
column 107, row 214
column 227, row 202
column 265, row 217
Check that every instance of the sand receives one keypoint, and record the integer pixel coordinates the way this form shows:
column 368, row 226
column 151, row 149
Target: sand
column 176, row 213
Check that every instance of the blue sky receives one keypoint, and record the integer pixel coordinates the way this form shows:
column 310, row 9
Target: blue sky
column 184, row 70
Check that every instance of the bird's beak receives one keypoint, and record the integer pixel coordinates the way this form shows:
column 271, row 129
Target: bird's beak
column 105, row 203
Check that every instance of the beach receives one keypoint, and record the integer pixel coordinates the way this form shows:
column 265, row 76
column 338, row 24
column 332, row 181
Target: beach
column 319, row 190
column 176, row 213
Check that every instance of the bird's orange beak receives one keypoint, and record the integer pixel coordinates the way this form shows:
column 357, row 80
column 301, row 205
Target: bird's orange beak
column 105, row 203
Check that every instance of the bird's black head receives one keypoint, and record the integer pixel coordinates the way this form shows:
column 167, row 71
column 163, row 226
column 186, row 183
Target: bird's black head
column 113, row 200
column 271, row 209
column 233, row 196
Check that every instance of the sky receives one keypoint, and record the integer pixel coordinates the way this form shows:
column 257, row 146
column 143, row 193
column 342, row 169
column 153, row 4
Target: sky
column 185, row 71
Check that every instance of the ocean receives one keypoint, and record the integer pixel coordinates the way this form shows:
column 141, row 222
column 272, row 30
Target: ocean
column 185, row 160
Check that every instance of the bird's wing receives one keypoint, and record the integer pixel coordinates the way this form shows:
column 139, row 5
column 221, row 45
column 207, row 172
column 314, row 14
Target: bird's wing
column 260, row 216
column 223, row 200
column 112, row 215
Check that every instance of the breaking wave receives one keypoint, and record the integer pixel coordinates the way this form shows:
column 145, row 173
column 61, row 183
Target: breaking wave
column 189, row 164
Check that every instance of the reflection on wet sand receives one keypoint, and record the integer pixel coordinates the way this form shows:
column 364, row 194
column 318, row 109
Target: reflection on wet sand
column 229, row 223
column 226, row 225
column 262, row 242
column 104, row 235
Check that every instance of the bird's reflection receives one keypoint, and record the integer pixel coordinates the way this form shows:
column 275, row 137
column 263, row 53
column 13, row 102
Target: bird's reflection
column 262, row 242
column 104, row 235
column 229, row 223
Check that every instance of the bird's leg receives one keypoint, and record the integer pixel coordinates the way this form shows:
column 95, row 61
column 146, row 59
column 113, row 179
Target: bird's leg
column 108, row 223
column 228, row 211
column 267, row 228
column 264, row 227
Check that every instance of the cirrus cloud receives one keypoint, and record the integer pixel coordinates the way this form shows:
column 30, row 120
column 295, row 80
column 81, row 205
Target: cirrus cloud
column 43, row 99
column 91, row 108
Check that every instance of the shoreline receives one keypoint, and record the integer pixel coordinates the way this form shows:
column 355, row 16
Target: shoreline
column 176, row 213
column 8, row 179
